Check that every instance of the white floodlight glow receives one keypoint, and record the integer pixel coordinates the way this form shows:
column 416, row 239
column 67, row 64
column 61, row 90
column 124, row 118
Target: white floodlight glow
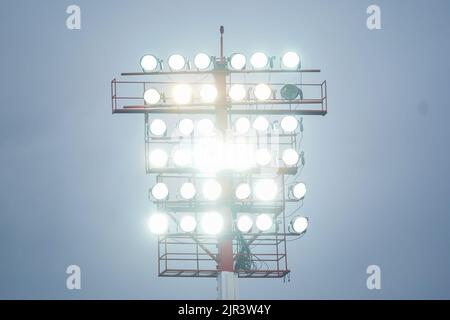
column 237, row 92
column 299, row 191
column 239, row 155
column 212, row 223
column 244, row 223
column 158, row 223
column 211, row 190
column 158, row 158
column 160, row 191
column 261, row 124
column 182, row 94
column 176, row 62
column 262, row 92
column 264, row 222
column 289, row 124
column 186, row 127
column 291, row 60
column 266, row 189
column 205, row 127
column 300, row 224
column 202, row 61
column 158, row 127
column 209, row 154
column 152, row 96
column 263, row 157
column 188, row 191
column 242, row 125
column 243, row 191
column 149, row 63
column 259, row 60
column 188, row 224
column 208, row 93
column 238, row 61
column 182, row 157
column 290, row 157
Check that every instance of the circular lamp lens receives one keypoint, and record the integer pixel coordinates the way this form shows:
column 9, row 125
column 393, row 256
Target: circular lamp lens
column 264, row 222
column 242, row 125
column 244, row 223
column 158, row 158
column 290, row 92
column 259, row 60
column 182, row 157
column 160, row 191
column 211, row 190
column 158, row 127
column 291, row 60
column 158, row 223
column 152, row 96
column 202, row 61
column 186, row 127
column 188, row 191
column 290, row 157
column 263, row 157
column 299, row 191
column 205, row 127
column 188, row 224
column 238, row 61
column 300, row 224
column 261, row 124
column 237, row 92
column 266, row 189
column 289, row 124
column 149, row 63
column 243, row 191
column 176, row 62
column 208, row 93
column 212, row 223
column 262, row 92
column 182, row 94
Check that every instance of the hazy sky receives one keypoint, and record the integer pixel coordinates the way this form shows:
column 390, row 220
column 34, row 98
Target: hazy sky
column 73, row 189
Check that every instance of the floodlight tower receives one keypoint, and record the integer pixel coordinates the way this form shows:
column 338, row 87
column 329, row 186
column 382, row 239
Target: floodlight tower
column 224, row 245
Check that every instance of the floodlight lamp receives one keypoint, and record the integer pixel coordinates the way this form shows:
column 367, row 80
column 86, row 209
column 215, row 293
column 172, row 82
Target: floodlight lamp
column 202, row 61
column 158, row 223
column 238, row 61
column 208, row 93
column 212, row 223
column 188, row 224
column 243, row 191
column 290, row 92
column 259, row 60
column 266, row 189
column 261, row 124
column 152, row 96
column 237, row 92
column 176, row 62
column 158, row 127
column 290, row 157
column 211, row 190
column 299, row 191
column 187, row 191
column 300, row 225
column 264, row 222
column 242, row 125
column 182, row 94
column 205, row 127
column 149, row 63
column 262, row 92
column 291, row 60
column 160, row 191
column 182, row 157
column 244, row 223
column 186, row 127
column 263, row 157
column 158, row 158
column 289, row 124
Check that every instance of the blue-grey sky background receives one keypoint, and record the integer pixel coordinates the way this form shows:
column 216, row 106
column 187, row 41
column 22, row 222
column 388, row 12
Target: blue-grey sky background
column 73, row 189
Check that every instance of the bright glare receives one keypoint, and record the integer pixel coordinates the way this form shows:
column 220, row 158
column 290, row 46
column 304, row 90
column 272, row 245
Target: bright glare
column 212, row 223
column 243, row 191
column 158, row 223
column 188, row 224
column 237, row 92
column 211, row 190
column 300, row 224
column 158, row 127
column 238, row 61
column 202, row 61
column 205, row 127
column 186, row 127
column 289, row 124
column 242, row 125
column 244, row 223
column 261, row 123
column 182, row 94
column 158, row 158
column 262, row 92
column 263, row 157
column 259, row 60
column 187, row 190
column 239, row 155
column 291, row 60
column 209, row 154
column 182, row 157
column 290, row 157
column 208, row 93
column 152, row 96
column 176, row 62
column 264, row 222
column 299, row 191
column 266, row 189
column 149, row 63
column 160, row 191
